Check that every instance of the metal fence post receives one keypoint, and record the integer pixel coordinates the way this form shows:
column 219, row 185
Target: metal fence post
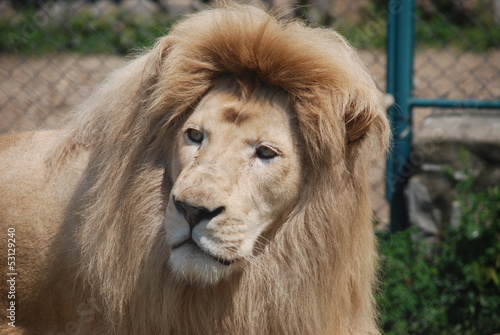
column 400, row 45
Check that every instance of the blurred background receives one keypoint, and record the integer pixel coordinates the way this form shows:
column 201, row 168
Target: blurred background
column 436, row 200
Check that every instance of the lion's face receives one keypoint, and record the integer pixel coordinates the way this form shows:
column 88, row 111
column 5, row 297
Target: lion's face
column 236, row 172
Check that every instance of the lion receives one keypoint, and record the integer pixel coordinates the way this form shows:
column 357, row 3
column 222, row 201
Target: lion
column 216, row 184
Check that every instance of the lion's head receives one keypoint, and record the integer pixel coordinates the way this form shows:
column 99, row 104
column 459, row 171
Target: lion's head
column 236, row 172
column 227, row 173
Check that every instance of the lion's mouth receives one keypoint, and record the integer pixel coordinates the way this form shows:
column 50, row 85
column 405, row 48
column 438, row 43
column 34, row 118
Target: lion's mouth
column 193, row 244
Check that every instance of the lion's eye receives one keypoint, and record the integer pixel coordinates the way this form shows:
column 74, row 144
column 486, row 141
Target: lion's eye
column 265, row 152
column 194, row 135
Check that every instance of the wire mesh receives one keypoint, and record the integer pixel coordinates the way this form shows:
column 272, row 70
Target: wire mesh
column 53, row 53
column 457, row 51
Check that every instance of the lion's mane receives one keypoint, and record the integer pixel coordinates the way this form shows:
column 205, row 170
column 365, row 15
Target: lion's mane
column 317, row 275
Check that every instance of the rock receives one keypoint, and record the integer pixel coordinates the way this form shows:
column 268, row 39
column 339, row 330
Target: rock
column 104, row 7
column 144, row 8
column 443, row 133
column 429, row 198
column 181, row 7
column 6, row 10
column 58, row 11
column 449, row 146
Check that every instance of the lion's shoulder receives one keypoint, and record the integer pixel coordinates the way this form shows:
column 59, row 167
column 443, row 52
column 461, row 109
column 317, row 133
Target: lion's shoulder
column 27, row 184
column 20, row 144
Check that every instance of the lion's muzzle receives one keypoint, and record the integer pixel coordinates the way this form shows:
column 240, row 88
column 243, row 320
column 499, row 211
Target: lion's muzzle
column 195, row 214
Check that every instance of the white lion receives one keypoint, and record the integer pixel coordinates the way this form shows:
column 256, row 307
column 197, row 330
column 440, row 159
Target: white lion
column 216, row 184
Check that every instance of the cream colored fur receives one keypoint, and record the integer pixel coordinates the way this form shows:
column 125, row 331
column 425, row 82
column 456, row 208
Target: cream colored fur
column 100, row 241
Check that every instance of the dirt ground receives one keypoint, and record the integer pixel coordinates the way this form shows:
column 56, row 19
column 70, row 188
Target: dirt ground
column 36, row 93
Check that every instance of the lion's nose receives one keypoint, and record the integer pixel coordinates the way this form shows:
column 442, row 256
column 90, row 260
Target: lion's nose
column 195, row 214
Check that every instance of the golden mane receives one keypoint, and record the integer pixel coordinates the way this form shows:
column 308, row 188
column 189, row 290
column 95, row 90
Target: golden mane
column 317, row 275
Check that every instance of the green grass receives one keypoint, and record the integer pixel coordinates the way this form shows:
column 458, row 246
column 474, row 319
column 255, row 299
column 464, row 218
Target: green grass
column 84, row 33
column 435, row 32
column 119, row 32
column 478, row 37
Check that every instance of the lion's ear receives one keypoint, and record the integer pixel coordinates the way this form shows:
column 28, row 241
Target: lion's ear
column 364, row 115
column 357, row 126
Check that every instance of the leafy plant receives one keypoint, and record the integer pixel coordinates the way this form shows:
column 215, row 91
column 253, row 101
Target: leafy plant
column 85, row 32
column 117, row 31
column 455, row 289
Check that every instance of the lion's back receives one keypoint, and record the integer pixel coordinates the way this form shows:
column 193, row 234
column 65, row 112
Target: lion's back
column 32, row 206
column 23, row 176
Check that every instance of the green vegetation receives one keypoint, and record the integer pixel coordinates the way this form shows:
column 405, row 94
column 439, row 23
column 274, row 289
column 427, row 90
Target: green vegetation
column 474, row 36
column 120, row 32
column 475, row 33
column 453, row 288
column 371, row 34
column 116, row 32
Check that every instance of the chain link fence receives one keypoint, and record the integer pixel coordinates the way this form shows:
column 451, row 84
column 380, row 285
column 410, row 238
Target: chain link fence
column 53, row 53
column 457, row 50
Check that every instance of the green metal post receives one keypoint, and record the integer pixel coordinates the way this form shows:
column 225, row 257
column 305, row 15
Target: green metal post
column 447, row 103
column 400, row 48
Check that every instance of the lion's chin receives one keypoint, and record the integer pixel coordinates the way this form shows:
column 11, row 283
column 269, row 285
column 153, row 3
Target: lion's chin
column 189, row 262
